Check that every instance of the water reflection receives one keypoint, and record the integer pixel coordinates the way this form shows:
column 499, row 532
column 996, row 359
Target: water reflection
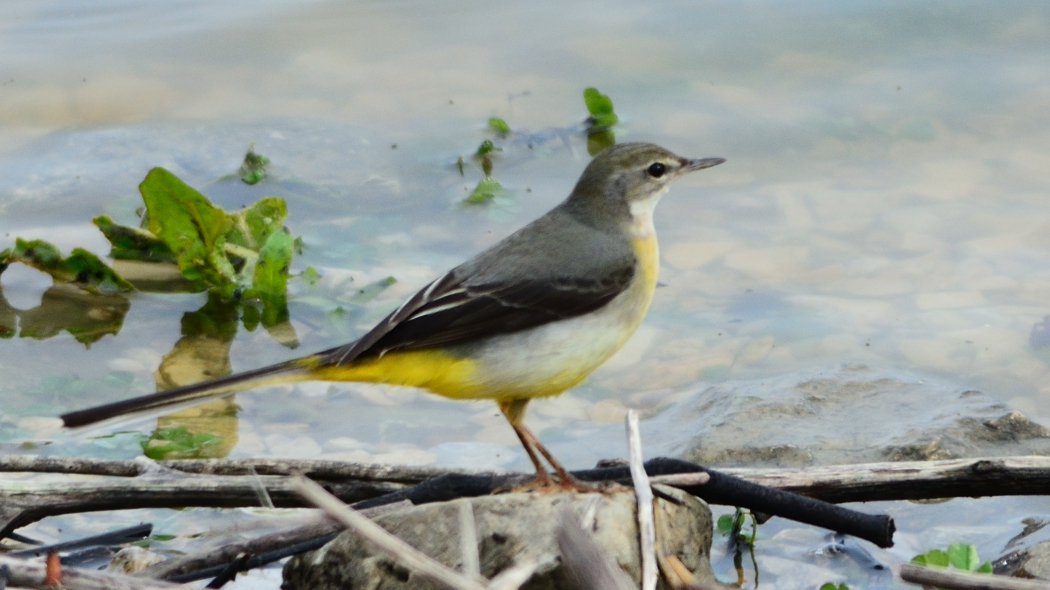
column 203, row 352
column 65, row 308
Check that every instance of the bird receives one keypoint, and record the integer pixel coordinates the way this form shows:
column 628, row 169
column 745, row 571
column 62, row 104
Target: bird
column 529, row 317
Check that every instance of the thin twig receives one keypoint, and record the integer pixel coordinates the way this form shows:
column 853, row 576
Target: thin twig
column 678, row 480
column 25, row 573
column 468, row 540
column 408, row 556
column 264, row 497
column 117, row 537
column 644, row 493
column 956, row 580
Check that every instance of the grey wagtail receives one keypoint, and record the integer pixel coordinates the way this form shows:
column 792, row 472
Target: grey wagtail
column 529, row 317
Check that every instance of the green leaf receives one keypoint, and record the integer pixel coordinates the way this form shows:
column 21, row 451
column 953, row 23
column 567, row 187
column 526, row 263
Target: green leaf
column 725, row 524
column 253, row 169
column 270, row 279
column 178, row 443
column 833, row 586
column 193, row 228
column 80, row 268
column 271, row 270
column 132, row 243
column 485, row 191
column 310, row 275
column 932, row 557
column 371, row 290
column 600, row 141
column 499, row 125
column 964, row 556
column 486, row 147
column 253, row 225
column 250, row 316
column 600, row 107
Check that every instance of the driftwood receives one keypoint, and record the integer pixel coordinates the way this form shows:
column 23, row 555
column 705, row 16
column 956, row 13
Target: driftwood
column 867, row 482
column 314, row 469
column 956, row 580
column 226, row 483
column 24, row 502
column 26, row 573
column 912, row 480
column 166, row 486
column 144, row 484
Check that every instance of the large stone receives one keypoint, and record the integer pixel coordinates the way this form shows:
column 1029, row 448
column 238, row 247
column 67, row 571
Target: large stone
column 854, row 414
column 1036, row 562
column 511, row 529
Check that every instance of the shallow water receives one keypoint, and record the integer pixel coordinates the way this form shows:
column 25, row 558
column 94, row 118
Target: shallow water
column 883, row 202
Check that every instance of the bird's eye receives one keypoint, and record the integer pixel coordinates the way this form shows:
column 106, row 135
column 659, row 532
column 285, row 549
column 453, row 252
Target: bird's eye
column 656, row 170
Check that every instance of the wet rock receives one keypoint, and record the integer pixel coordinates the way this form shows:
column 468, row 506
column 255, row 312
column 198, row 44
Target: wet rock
column 1033, row 562
column 854, row 414
column 511, row 529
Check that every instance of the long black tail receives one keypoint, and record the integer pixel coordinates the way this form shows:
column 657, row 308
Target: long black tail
column 280, row 373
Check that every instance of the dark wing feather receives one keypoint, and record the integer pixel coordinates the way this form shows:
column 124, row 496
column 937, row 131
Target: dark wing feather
column 348, row 352
column 445, row 312
column 489, row 310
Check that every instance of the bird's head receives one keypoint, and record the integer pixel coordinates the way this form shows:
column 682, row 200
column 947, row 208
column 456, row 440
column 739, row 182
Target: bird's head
column 624, row 182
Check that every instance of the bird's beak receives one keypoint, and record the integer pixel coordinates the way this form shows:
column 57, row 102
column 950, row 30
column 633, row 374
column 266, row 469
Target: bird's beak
column 693, row 165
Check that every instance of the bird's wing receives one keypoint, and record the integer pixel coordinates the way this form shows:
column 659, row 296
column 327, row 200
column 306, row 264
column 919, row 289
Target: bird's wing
column 519, row 284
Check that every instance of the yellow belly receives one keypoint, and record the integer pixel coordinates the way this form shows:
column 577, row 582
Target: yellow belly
column 538, row 362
